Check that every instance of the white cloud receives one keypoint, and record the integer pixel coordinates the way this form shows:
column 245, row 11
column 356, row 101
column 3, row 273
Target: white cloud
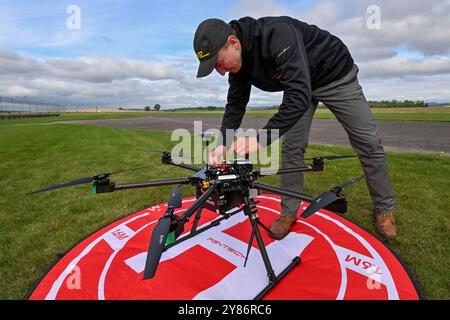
column 109, row 81
column 20, row 91
column 397, row 67
column 258, row 8
column 325, row 14
column 416, row 29
column 92, row 69
column 429, row 88
column 417, row 25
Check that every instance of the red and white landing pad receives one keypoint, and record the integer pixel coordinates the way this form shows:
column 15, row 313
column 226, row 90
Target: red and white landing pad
column 339, row 260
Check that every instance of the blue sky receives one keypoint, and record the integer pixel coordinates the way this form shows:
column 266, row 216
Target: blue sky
column 145, row 47
column 127, row 28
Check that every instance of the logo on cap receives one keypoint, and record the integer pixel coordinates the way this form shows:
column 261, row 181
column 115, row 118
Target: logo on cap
column 200, row 55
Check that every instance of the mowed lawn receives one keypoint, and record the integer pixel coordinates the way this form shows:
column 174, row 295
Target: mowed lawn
column 35, row 229
column 395, row 114
column 75, row 116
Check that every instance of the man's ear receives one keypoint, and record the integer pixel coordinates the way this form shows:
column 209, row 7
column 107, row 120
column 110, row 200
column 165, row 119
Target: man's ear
column 233, row 40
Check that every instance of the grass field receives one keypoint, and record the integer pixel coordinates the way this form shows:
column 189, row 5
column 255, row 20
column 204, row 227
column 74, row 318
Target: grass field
column 36, row 228
column 399, row 114
column 77, row 116
column 412, row 114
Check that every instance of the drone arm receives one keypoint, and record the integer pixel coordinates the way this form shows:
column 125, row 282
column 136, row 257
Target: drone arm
column 186, row 166
column 159, row 183
column 167, row 159
column 197, row 204
column 285, row 171
column 276, row 190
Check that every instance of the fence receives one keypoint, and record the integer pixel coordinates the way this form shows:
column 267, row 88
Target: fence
column 23, row 105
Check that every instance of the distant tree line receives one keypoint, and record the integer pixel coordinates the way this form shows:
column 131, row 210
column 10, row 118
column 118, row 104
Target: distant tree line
column 398, row 104
column 208, row 108
column 387, row 104
column 373, row 104
column 156, row 107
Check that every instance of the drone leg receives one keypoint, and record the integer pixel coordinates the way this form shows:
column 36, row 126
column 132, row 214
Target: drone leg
column 250, row 210
column 212, row 224
column 283, row 273
column 265, row 228
column 197, row 218
column 250, row 243
column 265, row 256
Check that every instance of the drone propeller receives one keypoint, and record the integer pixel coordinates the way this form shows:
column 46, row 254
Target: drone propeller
column 319, row 157
column 160, row 234
column 70, row 183
column 172, row 154
column 292, row 170
column 83, row 180
column 329, row 157
column 175, row 198
column 327, row 198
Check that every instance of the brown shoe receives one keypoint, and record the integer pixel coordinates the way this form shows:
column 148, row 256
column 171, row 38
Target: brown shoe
column 280, row 227
column 385, row 225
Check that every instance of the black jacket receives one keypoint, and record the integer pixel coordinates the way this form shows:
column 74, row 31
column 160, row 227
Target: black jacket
column 283, row 54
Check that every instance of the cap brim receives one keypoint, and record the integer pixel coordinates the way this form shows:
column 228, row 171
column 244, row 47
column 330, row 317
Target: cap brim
column 207, row 66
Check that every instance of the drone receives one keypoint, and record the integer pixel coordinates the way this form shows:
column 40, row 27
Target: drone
column 227, row 189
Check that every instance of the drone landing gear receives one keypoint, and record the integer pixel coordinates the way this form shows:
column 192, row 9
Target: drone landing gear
column 194, row 231
column 250, row 210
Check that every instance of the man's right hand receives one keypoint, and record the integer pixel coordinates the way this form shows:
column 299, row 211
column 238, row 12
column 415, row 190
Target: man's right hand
column 217, row 155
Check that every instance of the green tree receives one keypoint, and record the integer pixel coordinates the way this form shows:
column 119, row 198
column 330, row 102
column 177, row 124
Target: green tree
column 157, row 107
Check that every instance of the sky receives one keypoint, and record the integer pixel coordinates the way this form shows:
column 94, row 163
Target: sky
column 132, row 53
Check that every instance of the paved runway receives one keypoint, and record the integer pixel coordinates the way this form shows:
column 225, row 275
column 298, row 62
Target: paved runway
column 404, row 136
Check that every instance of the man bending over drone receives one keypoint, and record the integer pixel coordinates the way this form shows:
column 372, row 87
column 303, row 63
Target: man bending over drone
column 309, row 65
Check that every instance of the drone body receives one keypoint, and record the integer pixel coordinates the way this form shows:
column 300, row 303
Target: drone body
column 231, row 178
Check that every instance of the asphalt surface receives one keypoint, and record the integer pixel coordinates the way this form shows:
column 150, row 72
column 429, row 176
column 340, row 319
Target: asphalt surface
column 404, row 136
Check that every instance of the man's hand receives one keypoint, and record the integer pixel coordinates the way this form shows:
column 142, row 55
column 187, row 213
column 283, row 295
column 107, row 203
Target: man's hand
column 242, row 146
column 217, row 155
column 245, row 145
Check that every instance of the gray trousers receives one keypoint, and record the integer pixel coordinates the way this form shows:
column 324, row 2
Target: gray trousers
column 346, row 100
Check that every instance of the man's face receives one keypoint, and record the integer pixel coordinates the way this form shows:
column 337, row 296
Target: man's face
column 229, row 57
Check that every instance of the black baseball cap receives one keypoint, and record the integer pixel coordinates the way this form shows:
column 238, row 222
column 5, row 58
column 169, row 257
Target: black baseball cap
column 210, row 37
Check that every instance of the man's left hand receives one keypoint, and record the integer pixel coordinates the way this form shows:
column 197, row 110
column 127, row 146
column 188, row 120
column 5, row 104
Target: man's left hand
column 245, row 145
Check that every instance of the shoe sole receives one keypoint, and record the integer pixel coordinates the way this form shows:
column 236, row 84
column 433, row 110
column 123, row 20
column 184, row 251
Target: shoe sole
column 273, row 236
column 278, row 238
column 385, row 236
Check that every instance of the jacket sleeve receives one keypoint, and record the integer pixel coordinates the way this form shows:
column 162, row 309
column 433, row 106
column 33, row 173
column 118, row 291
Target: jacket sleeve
column 287, row 53
column 238, row 97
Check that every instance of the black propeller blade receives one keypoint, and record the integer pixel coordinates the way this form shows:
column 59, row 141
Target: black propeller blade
column 84, row 180
column 68, row 184
column 320, row 157
column 175, row 198
column 330, row 157
column 327, row 198
column 160, row 233
column 129, row 170
column 172, row 154
column 273, row 172
column 320, row 202
column 156, row 247
column 350, row 182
